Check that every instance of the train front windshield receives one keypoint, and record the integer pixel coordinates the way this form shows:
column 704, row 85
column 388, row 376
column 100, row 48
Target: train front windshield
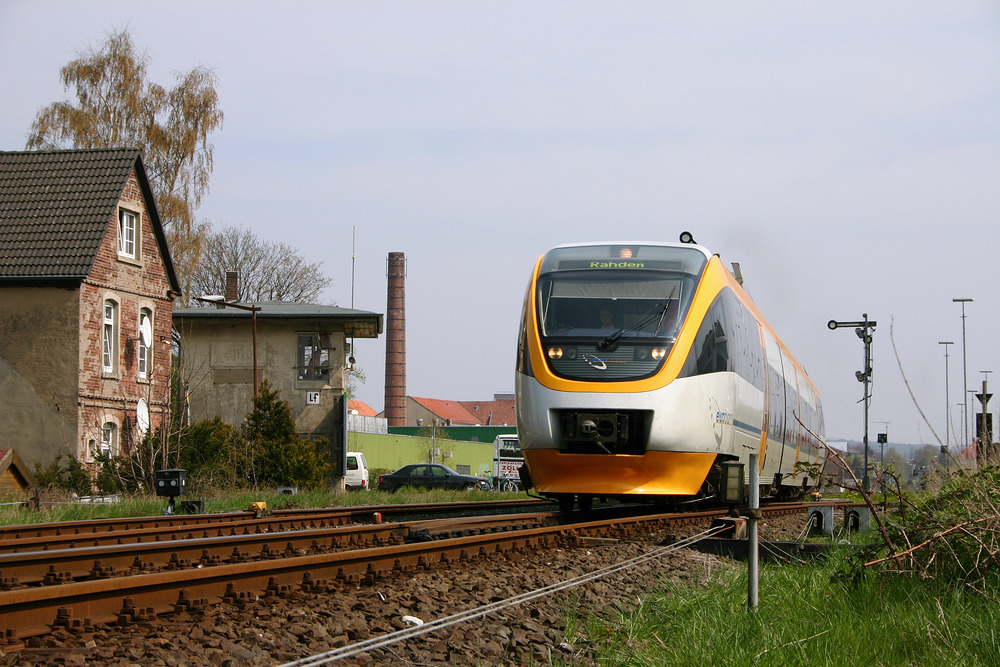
column 610, row 313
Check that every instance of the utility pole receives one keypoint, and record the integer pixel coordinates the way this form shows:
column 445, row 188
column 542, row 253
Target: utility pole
column 965, row 376
column 947, row 401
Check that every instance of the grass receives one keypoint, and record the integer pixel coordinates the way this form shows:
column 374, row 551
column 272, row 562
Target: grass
column 64, row 509
column 809, row 615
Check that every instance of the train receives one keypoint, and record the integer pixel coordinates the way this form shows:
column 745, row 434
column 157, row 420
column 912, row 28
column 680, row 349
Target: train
column 645, row 373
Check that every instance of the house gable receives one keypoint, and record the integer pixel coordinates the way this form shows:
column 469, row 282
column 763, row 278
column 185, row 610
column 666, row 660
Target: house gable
column 55, row 207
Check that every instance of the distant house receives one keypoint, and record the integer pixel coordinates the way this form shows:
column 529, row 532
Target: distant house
column 361, row 409
column 498, row 412
column 435, row 411
column 424, row 411
column 302, row 350
column 86, row 293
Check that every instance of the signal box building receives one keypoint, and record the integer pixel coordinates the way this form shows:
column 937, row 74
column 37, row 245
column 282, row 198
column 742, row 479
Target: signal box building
column 86, row 294
column 301, row 350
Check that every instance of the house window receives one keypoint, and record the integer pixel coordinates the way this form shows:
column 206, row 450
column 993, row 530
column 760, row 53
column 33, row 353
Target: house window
column 314, row 360
column 145, row 343
column 126, row 233
column 110, row 336
column 109, row 439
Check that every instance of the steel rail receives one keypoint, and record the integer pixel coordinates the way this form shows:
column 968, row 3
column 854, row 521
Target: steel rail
column 90, row 533
column 27, row 568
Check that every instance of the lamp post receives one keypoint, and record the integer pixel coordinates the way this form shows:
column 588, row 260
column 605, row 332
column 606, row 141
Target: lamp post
column 863, row 329
column 947, row 401
column 965, row 376
column 220, row 302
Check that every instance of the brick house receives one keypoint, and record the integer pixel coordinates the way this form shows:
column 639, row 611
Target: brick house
column 86, row 296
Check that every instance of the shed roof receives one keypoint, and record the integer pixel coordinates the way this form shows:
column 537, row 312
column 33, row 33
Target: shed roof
column 57, row 206
column 359, row 323
column 10, row 461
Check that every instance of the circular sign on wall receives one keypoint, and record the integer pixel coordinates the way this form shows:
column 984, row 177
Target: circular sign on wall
column 146, row 331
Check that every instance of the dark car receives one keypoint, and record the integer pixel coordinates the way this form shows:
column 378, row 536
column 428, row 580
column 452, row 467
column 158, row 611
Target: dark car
column 430, row 476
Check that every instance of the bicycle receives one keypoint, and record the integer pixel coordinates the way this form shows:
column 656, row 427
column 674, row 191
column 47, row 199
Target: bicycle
column 503, row 484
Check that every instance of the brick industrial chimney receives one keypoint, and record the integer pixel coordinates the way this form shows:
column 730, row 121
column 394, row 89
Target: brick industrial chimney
column 395, row 341
column 232, row 286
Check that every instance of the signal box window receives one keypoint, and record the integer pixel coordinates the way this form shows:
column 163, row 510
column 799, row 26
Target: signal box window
column 314, row 360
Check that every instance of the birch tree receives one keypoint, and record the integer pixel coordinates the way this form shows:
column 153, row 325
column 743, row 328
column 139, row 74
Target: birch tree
column 116, row 106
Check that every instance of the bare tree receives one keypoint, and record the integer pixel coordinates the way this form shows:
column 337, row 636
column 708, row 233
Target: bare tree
column 268, row 271
column 117, row 107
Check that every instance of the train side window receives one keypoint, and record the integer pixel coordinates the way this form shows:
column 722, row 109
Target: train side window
column 710, row 352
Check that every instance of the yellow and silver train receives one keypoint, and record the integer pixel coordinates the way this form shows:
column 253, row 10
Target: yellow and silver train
column 643, row 367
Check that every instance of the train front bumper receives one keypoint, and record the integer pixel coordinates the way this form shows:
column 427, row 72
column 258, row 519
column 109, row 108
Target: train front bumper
column 653, row 473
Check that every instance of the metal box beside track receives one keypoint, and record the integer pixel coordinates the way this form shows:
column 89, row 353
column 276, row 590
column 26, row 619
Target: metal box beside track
column 821, row 519
column 171, row 482
column 857, row 519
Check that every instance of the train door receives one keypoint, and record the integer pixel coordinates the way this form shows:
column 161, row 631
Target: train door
column 793, row 413
column 775, row 410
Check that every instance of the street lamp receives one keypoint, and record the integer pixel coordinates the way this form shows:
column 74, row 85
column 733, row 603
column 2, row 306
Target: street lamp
column 220, row 302
column 863, row 329
column 965, row 375
column 947, row 401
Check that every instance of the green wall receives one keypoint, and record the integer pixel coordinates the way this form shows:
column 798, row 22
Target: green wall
column 393, row 451
column 466, row 433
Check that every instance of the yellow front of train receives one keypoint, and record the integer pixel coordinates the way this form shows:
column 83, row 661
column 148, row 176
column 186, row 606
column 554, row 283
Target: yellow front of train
column 639, row 367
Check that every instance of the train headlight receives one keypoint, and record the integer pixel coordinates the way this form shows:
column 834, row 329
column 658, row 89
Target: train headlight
column 556, row 352
column 658, row 353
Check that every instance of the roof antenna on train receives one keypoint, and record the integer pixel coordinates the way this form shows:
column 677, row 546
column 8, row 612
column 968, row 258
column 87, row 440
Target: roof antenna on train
column 737, row 273
column 687, row 237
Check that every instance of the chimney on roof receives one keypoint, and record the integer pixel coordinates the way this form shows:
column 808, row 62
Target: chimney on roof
column 395, row 341
column 232, row 286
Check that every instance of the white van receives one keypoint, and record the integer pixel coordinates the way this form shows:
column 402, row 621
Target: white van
column 356, row 475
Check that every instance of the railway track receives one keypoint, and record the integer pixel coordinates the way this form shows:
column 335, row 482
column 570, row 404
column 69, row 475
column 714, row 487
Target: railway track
column 98, row 532
column 96, row 587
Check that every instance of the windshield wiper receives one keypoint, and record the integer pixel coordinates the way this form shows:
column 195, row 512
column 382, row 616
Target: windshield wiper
column 647, row 317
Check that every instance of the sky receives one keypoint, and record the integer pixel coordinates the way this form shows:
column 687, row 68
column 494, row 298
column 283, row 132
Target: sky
column 846, row 154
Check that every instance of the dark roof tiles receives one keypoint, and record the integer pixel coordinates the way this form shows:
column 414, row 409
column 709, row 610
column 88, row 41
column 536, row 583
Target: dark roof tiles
column 56, row 206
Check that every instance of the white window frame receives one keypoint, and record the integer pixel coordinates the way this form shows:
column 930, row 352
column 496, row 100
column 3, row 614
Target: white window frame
column 109, row 439
column 145, row 353
column 109, row 336
column 128, row 225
